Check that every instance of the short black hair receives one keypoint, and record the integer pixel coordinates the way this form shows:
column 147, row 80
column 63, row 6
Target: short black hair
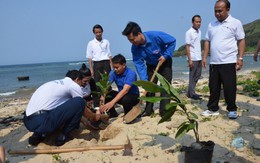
column 118, row 59
column 228, row 5
column 84, row 70
column 97, row 26
column 133, row 28
column 195, row 16
column 74, row 74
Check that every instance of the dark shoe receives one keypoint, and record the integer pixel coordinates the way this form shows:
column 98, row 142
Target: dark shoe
column 112, row 114
column 61, row 139
column 35, row 139
column 198, row 95
column 145, row 114
column 195, row 97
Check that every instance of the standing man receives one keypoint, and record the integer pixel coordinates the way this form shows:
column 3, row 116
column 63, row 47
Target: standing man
column 257, row 50
column 148, row 49
column 98, row 54
column 225, row 39
column 193, row 50
column 127, row 94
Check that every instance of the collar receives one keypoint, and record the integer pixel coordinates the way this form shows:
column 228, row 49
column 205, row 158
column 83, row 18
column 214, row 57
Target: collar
column 147, row 40
column 226, row 20
column 97, row 40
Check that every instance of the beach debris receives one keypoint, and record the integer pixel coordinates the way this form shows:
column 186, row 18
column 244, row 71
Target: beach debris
column 21, row 78
column 238, row 142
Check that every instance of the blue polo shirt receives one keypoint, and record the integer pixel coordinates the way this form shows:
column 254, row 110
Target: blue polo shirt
column 157, row 44
column 128, row 77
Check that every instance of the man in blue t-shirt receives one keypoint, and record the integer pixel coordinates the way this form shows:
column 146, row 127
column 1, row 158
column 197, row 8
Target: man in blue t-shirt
column 127, row 94
column 148, row 49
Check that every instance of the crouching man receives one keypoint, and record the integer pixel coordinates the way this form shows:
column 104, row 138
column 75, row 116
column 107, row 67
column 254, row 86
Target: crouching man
column 56, row 105
column 127, row 94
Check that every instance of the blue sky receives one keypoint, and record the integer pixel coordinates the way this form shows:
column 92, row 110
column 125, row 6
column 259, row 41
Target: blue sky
column 37, row 31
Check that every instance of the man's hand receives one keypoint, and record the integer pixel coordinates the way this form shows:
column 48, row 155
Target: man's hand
column 191, row 65
column 106, row 107
column 204, row 62
column 255, row 56
column 162, row 59
column 239, row 64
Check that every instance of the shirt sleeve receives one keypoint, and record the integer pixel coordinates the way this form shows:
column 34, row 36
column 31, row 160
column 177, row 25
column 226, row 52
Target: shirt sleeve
column 131, row 78
column 89, row 51
column 111, row 78
column 108, row 49
column 240, row 33
column 75, row 90
column 187, row 38
column 169, row 42
column 140, row 66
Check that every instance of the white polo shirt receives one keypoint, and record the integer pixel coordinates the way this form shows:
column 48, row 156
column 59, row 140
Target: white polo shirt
column 223, row 37
column 53, row 94
column 192, row 38
column 98, row 50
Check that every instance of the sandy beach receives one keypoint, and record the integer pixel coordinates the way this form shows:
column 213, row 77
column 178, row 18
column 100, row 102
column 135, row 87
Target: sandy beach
column 151, row 142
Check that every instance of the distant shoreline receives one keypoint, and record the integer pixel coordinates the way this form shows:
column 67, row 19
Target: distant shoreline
column 27, row 92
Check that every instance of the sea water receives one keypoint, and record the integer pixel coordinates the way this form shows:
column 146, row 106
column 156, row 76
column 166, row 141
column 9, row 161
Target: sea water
column 43, row 72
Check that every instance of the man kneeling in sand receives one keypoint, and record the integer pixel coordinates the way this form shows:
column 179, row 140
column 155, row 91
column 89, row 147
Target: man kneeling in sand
column 56, row 105
column 127, row 94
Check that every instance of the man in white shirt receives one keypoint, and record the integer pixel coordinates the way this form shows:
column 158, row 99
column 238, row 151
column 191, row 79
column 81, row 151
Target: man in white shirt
column 225, row 39
column 98, row 54
column 193, row 50
column 55, row 105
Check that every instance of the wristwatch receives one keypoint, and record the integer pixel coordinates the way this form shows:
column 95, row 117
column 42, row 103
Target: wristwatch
column 240, row 58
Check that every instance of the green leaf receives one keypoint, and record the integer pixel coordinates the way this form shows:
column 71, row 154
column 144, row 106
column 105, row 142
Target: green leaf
column 153, row 99
column 168, row 87
column 193, row 115
column 182, row 130
column 149, row 86
column 171, row 106
column 167, row 115
column 184, row 123
column 165, row 84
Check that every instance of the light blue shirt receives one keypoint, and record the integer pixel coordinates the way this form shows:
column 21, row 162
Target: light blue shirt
column 157, row 44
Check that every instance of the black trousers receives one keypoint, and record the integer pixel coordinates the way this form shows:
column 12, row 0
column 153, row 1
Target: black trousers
column 128, row 101
column 166, row 71
column 101, row 67
column 222, row 74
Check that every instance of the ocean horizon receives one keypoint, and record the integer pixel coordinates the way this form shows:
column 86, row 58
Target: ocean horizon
column 40, row 73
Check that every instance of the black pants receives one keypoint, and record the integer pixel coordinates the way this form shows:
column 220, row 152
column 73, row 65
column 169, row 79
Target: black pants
column 166, row 71
column 128, row 101
column 101, row 67
column 222, row 74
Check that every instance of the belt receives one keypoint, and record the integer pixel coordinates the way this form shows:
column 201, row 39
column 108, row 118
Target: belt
column 39, row 113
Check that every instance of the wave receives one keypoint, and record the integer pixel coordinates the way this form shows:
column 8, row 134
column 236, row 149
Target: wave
column 7, row 93
column 76, row 63
column 185, row 73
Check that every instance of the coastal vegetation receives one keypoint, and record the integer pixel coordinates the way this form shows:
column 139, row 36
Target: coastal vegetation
column 252, row 31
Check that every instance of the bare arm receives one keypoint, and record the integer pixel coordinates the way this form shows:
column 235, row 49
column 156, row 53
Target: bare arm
column 90, row 62
column 241, row 50
column 257, row 50
column 206, row 53
column 120, row 95
column 187, row 48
